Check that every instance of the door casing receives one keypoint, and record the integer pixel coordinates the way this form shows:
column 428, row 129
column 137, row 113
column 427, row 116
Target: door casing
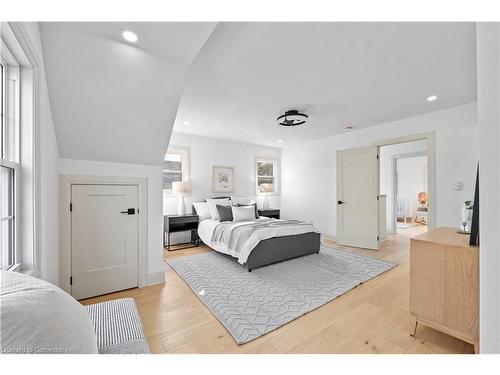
column 65, row 182
column 430, row 137
column 394, row 162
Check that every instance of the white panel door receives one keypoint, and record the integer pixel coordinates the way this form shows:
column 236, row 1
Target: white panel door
column 357, row 197
column 104, row 239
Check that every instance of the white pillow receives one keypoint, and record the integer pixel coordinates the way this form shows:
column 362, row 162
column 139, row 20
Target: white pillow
column 242, row 200
column 243, row 213
column 212, row 206
column 38, row 317
column 202, row 210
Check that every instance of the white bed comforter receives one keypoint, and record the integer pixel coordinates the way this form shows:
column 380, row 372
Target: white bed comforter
column 242, row 250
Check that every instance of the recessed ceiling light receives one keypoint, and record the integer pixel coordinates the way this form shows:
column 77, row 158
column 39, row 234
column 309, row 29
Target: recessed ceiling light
column 432, row 98
column 130, row 36
column 186, row 123
column 280, row 141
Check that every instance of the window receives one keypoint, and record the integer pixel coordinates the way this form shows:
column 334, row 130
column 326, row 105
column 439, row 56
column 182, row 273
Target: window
column 266, row 171
column 175, row 167
column 9, row 160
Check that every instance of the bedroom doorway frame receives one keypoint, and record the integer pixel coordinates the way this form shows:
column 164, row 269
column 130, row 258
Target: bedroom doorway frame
column 394, row 162
column 430, row 138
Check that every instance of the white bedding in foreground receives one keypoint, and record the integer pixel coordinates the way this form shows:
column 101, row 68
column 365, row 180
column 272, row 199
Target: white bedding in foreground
column 207, row 227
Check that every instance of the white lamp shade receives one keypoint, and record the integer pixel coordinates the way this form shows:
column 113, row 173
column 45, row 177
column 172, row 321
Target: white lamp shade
column 181, row 187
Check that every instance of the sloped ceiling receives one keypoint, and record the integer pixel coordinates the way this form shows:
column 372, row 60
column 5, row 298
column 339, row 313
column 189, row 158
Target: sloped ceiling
column 112, row 101
column 359, row 74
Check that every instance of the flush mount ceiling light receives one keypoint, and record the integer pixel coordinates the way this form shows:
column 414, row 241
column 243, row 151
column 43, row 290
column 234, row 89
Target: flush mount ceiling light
column 280, row 141
column 292, row 118
column 348, row 128
column 130, row 36
column 186, row 123
column 432, row 98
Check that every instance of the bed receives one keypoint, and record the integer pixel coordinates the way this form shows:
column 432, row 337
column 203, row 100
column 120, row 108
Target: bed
column 267, row 240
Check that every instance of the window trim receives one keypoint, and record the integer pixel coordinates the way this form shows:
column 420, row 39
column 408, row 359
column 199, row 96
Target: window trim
column 11, row 71
column 185, row 156
column 16, row 35
column 276, row 174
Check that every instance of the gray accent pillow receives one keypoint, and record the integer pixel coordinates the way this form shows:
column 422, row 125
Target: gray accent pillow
column 225, row 213
column 247, row 205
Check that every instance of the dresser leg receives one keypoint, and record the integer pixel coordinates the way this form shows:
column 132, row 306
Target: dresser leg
column 476, row 347
column 413, row 325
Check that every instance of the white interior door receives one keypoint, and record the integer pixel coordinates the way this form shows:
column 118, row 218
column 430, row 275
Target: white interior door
column 104, row 239
column 357, row 197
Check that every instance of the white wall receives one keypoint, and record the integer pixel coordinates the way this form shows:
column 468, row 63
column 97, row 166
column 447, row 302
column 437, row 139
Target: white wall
column 155, row 217
column 387, row 153
column 412, row 177
column 208, row 152
column 488, row 69
column 315, row 163
column 48, row 172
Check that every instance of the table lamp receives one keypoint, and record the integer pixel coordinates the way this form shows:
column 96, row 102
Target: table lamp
column 181, row 188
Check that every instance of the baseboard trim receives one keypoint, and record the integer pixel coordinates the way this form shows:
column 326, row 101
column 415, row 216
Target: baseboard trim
column 156, row 278
column 329, row 237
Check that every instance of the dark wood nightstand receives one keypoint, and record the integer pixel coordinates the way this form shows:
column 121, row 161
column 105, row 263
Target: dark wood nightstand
column 176, row 223
column 270, row 212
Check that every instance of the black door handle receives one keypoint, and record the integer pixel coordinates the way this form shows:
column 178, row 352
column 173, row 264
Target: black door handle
column 130, row 211
column 340, row 202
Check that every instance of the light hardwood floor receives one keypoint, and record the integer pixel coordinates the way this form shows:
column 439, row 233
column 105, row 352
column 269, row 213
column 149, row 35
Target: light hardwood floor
column 372, row 318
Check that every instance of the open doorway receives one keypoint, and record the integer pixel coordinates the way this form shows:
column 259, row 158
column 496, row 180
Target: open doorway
column 404, row 187
column 411, row 192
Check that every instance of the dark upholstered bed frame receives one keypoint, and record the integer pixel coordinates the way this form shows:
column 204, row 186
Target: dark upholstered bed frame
column 278, row 249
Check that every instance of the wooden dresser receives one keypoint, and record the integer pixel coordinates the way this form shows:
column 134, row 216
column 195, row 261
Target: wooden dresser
column 444, row 284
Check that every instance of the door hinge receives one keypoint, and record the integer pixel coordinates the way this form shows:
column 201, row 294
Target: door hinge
column 377, row 156
column 71, row 207
column 71, row 280
column 377, row 197
column 378, row 238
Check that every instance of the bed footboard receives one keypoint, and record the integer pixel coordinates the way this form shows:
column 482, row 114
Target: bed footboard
column 278, row 249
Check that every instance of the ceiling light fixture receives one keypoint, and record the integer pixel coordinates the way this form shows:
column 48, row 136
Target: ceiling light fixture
column 280, row 141
column 432, row 98
column 186, row 123
column 348, row 128
column 292, row 118
column 130, row 36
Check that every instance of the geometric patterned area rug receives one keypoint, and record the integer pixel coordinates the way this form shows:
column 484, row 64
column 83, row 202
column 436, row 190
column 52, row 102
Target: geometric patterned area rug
column 251, row 304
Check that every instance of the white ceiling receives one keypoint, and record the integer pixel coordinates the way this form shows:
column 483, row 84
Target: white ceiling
column 178, row 41
column 361, row 74
column 112, row 101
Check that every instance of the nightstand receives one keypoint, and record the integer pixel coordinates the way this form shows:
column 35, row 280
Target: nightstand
column 176, row 223
column 270, row 212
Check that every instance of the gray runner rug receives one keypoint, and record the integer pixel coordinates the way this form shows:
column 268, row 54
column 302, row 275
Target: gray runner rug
column 251, row 304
